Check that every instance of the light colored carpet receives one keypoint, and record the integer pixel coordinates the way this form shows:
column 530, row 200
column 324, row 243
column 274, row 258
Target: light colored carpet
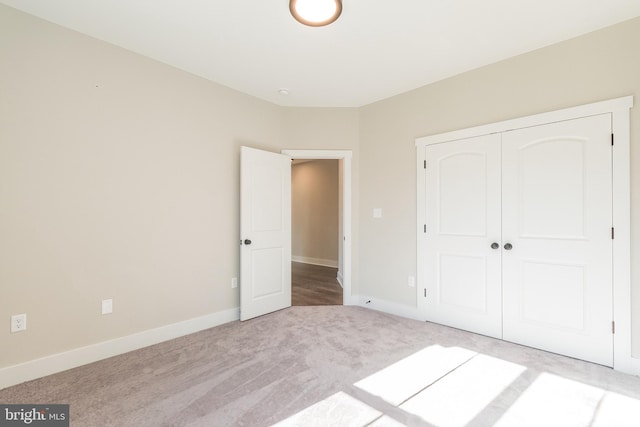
column 338, row 366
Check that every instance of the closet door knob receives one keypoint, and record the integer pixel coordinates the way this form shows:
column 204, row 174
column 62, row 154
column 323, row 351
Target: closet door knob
column 495, row 245
column 247, row 241
column 508, row 246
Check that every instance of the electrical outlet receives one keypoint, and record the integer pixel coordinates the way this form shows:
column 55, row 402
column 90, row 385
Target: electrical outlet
column 18, row 322
column 234, row 282
column 107, row 306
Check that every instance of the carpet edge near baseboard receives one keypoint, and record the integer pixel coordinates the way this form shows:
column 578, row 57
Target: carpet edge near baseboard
column 37, row 368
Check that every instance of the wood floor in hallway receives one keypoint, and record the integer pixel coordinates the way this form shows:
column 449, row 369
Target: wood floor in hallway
column 314, row 285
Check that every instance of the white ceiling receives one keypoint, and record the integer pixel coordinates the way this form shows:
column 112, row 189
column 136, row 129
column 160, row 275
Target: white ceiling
column 376, row 49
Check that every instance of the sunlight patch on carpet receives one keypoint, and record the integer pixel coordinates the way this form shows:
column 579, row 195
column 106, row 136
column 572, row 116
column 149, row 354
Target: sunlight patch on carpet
column 553, row 400
column 464, row 393
column 617, row 410
column 339, row 409
column 398, row 382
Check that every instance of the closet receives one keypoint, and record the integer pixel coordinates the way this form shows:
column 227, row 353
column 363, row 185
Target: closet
column 515, row 233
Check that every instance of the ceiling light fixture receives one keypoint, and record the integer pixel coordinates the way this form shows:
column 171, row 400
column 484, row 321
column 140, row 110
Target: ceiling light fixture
column 315, row 13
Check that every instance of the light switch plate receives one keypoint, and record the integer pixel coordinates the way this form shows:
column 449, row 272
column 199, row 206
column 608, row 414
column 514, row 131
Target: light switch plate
column 107, row 306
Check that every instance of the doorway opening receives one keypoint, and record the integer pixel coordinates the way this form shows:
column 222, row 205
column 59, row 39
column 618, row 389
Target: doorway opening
column 344, row 210
column 315, row 232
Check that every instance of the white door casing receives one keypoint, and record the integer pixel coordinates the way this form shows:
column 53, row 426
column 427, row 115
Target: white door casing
column 556, row 214
column 553, row 291
column 265, row 230
column 462, row 270
column 344, row 157
column 618, row 109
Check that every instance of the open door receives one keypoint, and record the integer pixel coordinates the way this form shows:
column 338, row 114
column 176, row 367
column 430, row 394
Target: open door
column 265, row 232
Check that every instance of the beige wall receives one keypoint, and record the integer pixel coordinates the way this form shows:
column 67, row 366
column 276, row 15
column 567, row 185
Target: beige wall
column 119, row 175
column 594, row 67
column 119, row 178
column 330, row 129
column 314, row 209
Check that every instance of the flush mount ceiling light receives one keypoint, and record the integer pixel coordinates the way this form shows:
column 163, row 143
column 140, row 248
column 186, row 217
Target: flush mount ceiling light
column 315, row 13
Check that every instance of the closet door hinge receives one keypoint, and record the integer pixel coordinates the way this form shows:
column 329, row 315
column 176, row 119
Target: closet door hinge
column 612, row 140
column 425, row 228
column 613, row 327
column 424, row 164
column 613, row 233
column 425, row 292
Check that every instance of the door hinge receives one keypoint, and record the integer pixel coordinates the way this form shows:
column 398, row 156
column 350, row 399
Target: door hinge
column 613, row 233
column 612, row 140
column 613, row 327
column 425, row 292
column 425, row 228
column 425, row 164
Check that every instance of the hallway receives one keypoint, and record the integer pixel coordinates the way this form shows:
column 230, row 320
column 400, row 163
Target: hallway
column 314, row 285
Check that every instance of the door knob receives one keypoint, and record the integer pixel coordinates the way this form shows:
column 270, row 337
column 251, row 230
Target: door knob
column 247, row 241
column 495, row 245
column 508, row 246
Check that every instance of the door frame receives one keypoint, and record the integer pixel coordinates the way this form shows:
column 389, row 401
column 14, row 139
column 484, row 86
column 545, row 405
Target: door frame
column 621, row 204
column 345, row 157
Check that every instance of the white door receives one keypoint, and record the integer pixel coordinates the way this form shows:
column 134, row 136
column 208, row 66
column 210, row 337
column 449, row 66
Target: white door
column 462, row 272
column 556, row 215
column 265, row 230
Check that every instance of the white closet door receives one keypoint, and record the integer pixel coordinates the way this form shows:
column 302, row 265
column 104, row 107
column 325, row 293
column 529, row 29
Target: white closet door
column 462, row 271
column 556, row 211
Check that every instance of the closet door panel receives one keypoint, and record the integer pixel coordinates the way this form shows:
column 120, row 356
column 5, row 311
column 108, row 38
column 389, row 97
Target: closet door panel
column 462, row 271
column 556, row 210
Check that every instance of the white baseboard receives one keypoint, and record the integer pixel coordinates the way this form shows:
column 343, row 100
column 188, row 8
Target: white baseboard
column 59, row 362
column 635, row 366
column 628, row 365
column 389, row 307
column 351, row 300
column 315, row 261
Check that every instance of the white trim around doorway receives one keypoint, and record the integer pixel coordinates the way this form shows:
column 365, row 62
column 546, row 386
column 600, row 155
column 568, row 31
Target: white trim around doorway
column 345, row 157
